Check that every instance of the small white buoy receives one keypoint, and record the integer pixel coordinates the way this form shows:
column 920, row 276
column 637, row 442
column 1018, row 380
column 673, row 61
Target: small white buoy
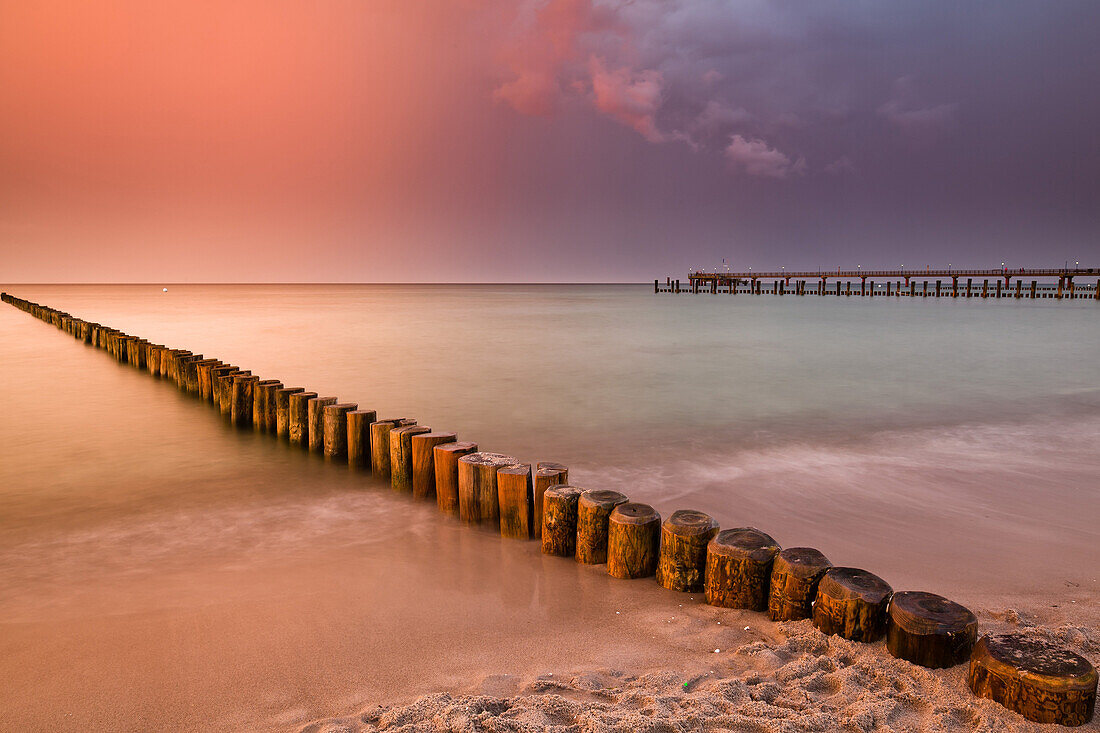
column 165, row 290
column 717, row 650
column 746, row 628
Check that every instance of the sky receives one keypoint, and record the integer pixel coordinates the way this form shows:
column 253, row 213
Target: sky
column 548, row 140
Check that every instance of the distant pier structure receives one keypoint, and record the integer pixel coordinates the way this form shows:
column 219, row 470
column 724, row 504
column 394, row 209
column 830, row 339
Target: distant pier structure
column 1059, row 284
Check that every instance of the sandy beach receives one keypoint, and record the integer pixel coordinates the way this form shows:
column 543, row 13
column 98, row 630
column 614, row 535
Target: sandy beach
column 793, row 679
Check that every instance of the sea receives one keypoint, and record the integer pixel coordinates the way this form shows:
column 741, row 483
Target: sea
column 161, row 569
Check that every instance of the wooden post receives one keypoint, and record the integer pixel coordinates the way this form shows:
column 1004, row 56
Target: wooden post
column 223, row 390
column 359, row 422
column 225, row 384
column 852, row 603
column 593, row 513
column 205, row 370
column 477, row 486
column 1036, row 678
column 298, row 418
column 401, row 455
column 1033, row 284
column 282, row 409
column 739, row 566
column 315, row 420
column 633, row 540
column 423, row 461
column 189, row 373
column 929, row 630
column 547, row 474
column 796, row 572
column 334, row 420
column 559, row 520
column 514, row 497
column 213, row 395
column 262, row 393
column 240, row 412
column 446, row 473
column 684, row 539
column 380, row 443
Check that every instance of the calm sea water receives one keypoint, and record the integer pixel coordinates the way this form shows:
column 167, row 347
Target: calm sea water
column 946, row 445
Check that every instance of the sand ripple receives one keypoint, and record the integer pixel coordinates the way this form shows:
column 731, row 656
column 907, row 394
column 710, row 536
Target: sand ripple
column 805, row 681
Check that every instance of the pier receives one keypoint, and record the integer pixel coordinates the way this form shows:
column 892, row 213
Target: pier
column 1067, row 283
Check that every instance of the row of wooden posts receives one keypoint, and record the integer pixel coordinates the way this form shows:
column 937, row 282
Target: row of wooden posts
column 741, row 568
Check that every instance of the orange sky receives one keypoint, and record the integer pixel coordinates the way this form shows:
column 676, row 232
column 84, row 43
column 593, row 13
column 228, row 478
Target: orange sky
column 562, row 140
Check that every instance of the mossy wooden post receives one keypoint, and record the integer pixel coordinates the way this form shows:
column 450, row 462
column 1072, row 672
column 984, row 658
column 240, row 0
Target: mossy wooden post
column 929, row 630
column 270, row 414
column 282, row 410
column 359, row 437
column 852, row 603
column 182, row 365
column 1036, row 678
column 593, row 511
column 335, row 426
column 221, row 389
column 446, row 473
column 795, row 575
column 179, row 368
column 315, row 419
column 477, row 486
column 559, row 520
column 739, row 568
column 298, row 418
column 225, row 391
column 380, row 443
column 515, row 493
column 189, row 374
column 547, row 474
column 205, row 373
column 683, row 559
column 136, row 355
column 423, row 461
column 401, row 455
column 633, row 541
column 152, row 356
column 213, row 394
column 261, row 394
column 241, row 411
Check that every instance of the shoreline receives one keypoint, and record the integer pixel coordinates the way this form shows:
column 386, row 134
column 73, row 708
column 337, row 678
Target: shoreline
column 792, row 678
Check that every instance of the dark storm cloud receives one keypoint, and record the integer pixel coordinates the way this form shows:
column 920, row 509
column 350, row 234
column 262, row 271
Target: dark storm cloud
column 962, row 121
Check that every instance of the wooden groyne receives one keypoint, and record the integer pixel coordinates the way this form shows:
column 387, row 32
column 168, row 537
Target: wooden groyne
column 740, row 568
column 999, row 284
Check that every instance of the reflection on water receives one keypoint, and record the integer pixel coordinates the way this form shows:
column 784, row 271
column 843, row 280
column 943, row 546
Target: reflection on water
column 944, row 445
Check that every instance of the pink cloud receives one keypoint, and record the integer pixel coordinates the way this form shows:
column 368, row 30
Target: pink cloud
column 755, row 158
column 539, row 54
column 630, row 97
